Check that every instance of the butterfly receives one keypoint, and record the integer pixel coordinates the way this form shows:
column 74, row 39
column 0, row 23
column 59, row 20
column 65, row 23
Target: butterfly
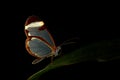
column 39, row 42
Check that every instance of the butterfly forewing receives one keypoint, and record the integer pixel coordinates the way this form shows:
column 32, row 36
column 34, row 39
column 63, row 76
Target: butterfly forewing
column 41, row 33
column 37, row 28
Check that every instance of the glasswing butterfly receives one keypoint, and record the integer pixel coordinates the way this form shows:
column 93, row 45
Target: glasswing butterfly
column 39, row 42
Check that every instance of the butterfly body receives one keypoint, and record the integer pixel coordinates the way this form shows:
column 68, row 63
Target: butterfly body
column 39, row 42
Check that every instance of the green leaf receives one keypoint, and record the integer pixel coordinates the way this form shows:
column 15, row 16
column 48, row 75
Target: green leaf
column 102, row 52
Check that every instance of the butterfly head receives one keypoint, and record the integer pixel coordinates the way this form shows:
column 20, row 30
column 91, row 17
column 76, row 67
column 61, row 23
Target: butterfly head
column 57, row 50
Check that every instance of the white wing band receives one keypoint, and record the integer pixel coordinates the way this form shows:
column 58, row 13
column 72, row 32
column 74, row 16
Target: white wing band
column 35, row 24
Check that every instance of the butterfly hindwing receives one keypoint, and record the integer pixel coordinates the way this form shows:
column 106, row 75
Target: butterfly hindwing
column 38, row 47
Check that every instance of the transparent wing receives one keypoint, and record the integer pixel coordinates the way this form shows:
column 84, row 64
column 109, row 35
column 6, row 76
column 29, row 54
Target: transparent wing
column 38, row 47
column 35, row 27
column 42, row 33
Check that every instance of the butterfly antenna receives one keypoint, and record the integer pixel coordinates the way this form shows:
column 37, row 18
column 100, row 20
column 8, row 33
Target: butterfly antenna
column 69, row 41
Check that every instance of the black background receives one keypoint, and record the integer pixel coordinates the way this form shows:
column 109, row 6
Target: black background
column 91, row 22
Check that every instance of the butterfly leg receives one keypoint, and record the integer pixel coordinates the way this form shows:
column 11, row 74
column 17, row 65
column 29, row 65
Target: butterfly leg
column 52, row 57
column 37, row 60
